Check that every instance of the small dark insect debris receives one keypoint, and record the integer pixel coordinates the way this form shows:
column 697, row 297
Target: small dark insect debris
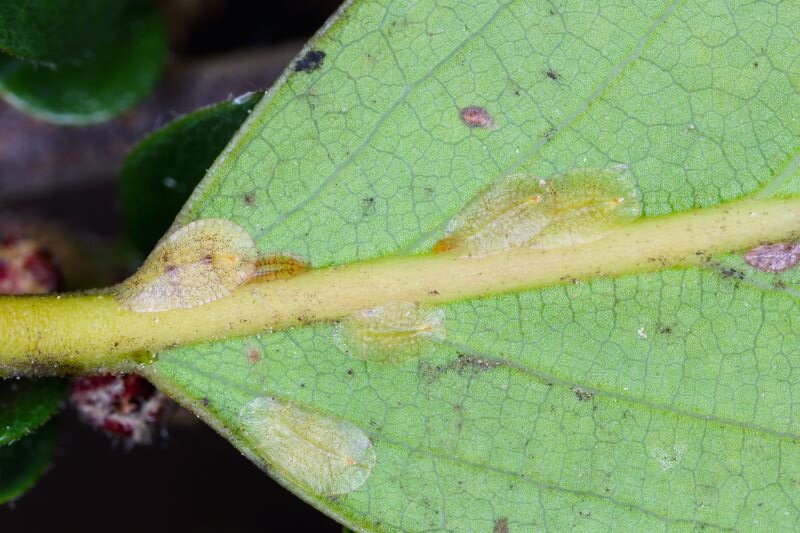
column 249, row 198
column 773, row 257
column 500, row 526
column 549, row 134
column 582, row 395
column 349, row 371
column 473, row 363
column 664, row 330
column 368, row 206
column 477, row 117
column 204, row 401
column 433, row 292
column 553, row 74
column 755, row 64
column 731, row 273
column 311, row 61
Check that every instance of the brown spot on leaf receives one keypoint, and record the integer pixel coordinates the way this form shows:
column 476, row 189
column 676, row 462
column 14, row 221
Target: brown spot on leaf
column 477, row 117
column 773, row 257
column 249, row 198
column 311, row 61
column 500, row 526
column 253, row 355
column 444, row 245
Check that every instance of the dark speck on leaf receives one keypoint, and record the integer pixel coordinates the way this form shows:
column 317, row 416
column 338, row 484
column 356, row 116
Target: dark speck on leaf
column 249, row 198
column 311, row 61
column 368, row 206
column 204, row 401
column 552, row 74
column 582, row 395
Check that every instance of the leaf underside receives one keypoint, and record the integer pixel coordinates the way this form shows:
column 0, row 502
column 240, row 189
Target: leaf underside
column 651, row 401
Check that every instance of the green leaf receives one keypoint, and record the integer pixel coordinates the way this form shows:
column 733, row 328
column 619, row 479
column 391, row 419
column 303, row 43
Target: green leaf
column 23, row 462
column 117, row 70
column 55, row 30
column 653, row 400
column 163, row 168
column 26, row 404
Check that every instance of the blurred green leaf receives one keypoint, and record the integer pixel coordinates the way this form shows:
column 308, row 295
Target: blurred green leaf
column 56, row 30
column 163, row 168
column 23, row 462
column 26, row 404
column 121, row 66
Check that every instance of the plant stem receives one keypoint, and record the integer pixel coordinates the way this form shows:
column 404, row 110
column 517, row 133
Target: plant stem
column 82, row 333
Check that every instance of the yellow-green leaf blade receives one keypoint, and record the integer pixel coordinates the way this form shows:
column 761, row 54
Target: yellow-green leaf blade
column 658, row 400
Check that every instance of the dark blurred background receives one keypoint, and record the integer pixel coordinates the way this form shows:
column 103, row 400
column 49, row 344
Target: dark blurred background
column 190, row 479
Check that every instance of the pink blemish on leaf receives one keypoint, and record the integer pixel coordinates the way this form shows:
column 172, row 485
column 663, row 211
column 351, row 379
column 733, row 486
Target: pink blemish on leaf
column 773, row 257
column 477, row 117
column 253, row 355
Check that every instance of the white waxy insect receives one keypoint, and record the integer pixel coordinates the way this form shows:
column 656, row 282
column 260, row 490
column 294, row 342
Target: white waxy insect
column 523, row 210
column 327, row 455
column 392, row 333
column 193, row 265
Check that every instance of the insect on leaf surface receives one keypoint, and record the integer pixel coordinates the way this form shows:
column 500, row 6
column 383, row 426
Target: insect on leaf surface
column 328, row 455
column 392, row 333
column 193, row 265
column 523, row 210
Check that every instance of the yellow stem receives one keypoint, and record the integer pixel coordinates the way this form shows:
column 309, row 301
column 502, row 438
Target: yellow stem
column 91, row 332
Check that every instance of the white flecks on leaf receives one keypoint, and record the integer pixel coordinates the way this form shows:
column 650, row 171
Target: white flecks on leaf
column 193, row 265
column 668, row 459
column 327, row 455
column 392, row 333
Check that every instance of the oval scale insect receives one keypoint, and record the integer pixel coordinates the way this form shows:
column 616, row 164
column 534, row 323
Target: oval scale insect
column 193, row 265
column 392, row 333
column 327, row 455
column 523, row 210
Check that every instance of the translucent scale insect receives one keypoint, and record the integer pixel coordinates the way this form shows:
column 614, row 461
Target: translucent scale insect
column 327, row 455
column 522, row 210
column 193, row 265
column 392, row 333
